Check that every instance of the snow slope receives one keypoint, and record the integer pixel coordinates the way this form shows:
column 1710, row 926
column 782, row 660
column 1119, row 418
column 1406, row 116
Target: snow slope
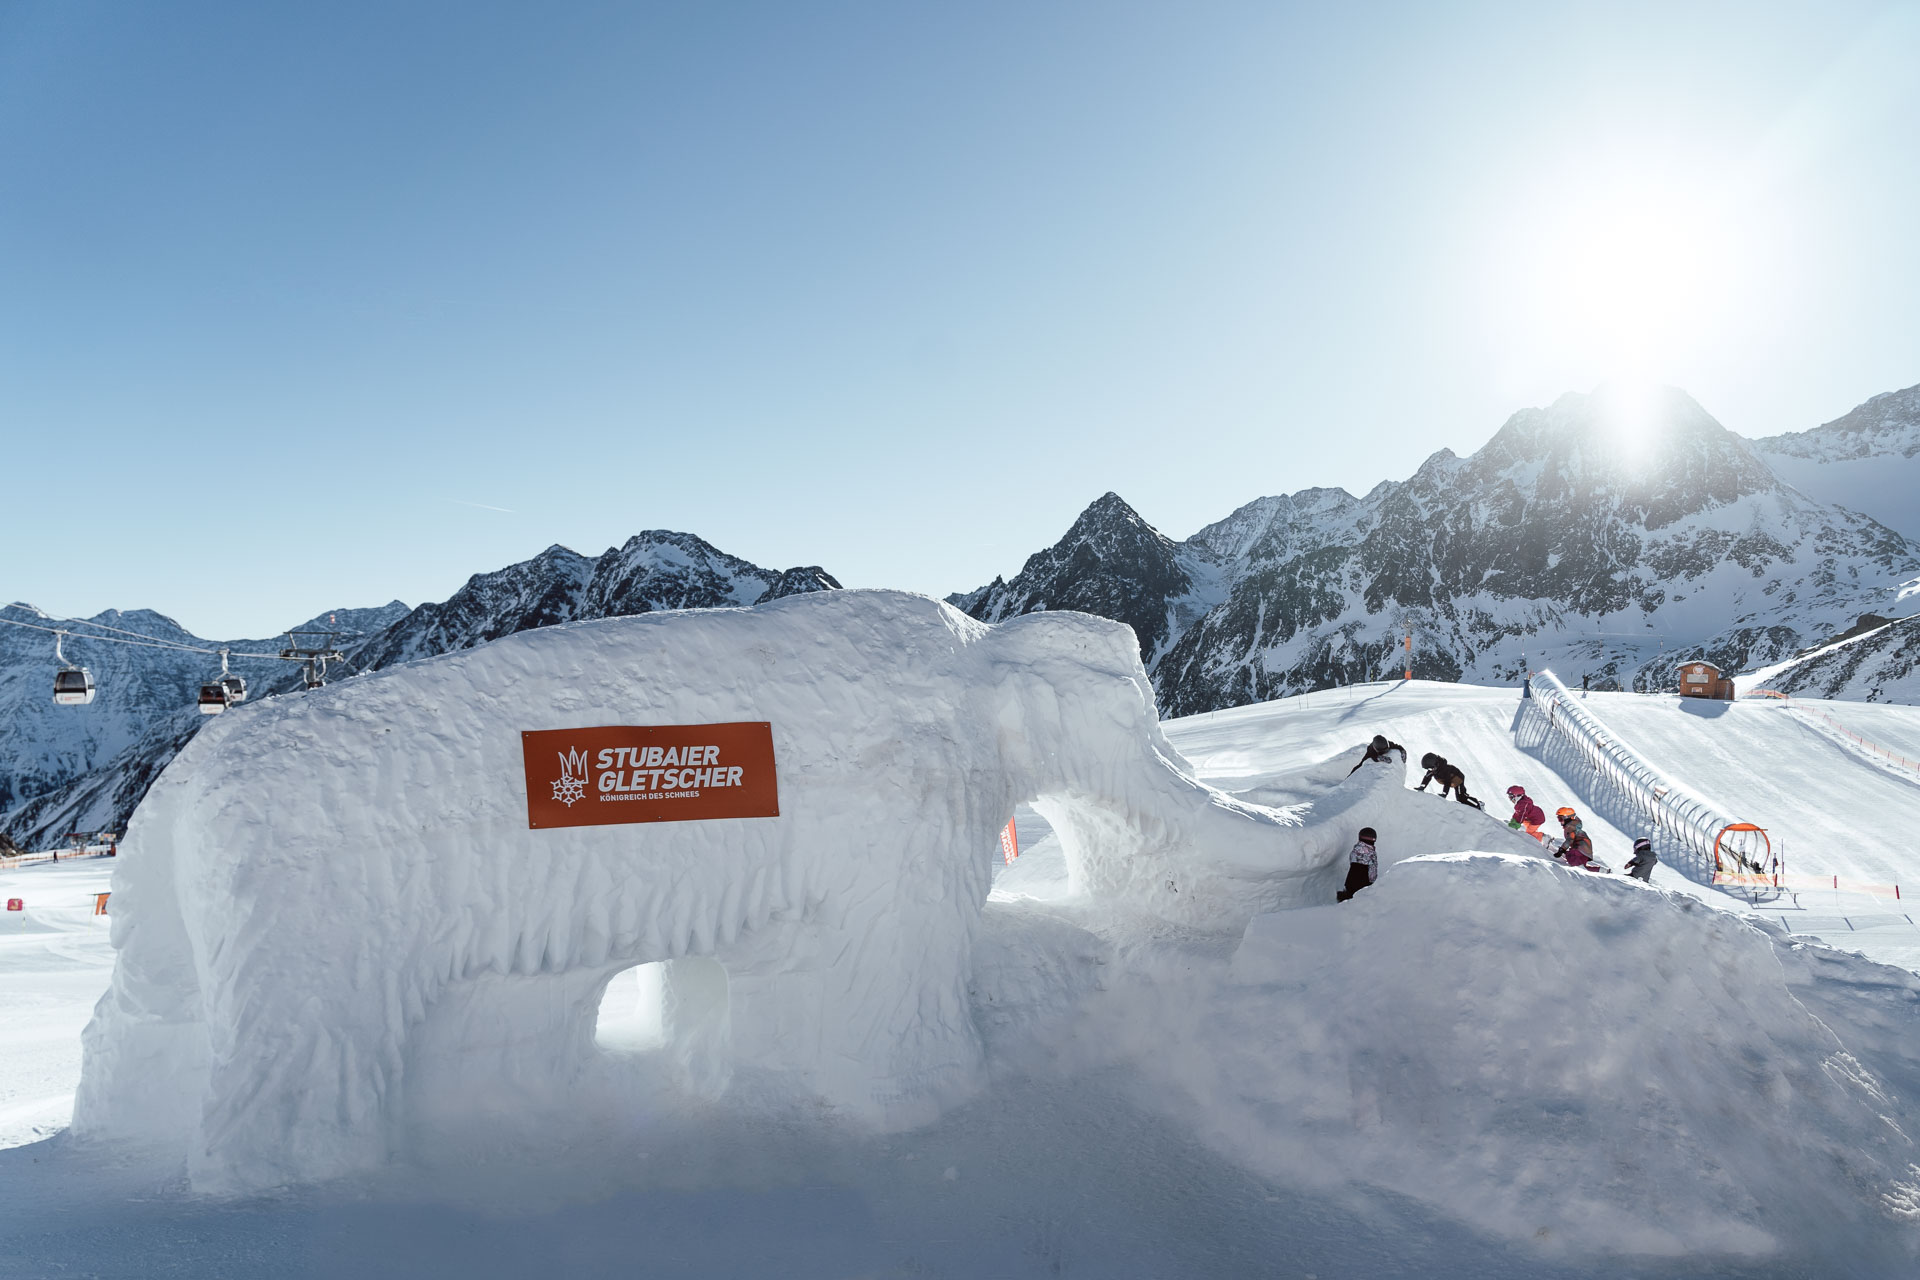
column 1485, row 1065
column 54, row 961
column 1835, row 811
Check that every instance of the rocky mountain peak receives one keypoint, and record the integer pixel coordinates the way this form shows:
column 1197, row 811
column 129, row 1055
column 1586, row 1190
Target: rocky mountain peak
column 1111, row 562
column 1625, row 515
column 1110, row 521
column 1650, row 455
column 1232, row 538
column 1888, row 425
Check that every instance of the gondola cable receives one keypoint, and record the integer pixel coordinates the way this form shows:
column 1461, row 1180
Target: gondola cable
column 73, row 685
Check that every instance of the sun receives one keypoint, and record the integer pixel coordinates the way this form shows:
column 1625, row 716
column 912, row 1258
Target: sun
column 1632, row 410
column 1628, row 267
column 1636, row 265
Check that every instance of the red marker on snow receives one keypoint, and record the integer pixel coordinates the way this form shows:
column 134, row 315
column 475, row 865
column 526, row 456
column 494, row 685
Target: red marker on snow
column 16, row 904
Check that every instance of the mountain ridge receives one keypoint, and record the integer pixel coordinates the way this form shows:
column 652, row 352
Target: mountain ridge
column 1867, row 459
column 1567, row 537
column 86, row 768
column 1563, row 532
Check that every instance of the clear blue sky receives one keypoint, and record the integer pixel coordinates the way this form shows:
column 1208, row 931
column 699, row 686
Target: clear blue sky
column 293, row 297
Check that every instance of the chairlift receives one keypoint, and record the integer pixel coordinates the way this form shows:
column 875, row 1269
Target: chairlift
column 313, row 658
column 72, row 686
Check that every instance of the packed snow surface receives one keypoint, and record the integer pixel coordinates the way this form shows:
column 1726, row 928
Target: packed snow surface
column 1172, row 1054
column 53, row 959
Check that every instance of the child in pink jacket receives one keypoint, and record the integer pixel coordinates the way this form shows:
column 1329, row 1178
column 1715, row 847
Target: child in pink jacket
column 1526, row 814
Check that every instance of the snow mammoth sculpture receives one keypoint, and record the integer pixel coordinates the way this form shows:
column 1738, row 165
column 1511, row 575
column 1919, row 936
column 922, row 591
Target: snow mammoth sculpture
column 329, row 903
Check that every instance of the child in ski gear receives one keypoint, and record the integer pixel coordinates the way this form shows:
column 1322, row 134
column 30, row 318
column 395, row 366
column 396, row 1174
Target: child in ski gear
column 1378, row 750
column 1363, row 865
column 1526, row 814
column 1575, row 849
column 1640, row 866
column 1449, row 778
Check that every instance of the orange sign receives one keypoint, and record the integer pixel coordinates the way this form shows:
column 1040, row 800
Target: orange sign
column 607, row 774
column 1009, row 842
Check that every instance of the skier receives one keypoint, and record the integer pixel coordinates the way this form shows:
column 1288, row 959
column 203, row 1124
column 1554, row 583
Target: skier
column 1640, row 866
column 1527, row 815
column 1576, row 850
column 1363, row 865
column 1449, row 778
column 1378, row 750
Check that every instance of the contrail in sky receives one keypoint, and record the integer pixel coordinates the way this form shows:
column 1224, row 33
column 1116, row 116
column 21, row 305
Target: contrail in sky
column 483, row 506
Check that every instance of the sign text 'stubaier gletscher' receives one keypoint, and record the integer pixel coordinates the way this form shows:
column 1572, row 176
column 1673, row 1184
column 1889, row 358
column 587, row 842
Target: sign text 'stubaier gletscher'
column 649, row 773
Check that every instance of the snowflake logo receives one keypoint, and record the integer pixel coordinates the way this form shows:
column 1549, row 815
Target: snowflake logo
column 573, row 777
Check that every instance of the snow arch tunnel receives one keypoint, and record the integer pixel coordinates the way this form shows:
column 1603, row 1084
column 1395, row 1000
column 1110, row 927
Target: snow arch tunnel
column 330, row 901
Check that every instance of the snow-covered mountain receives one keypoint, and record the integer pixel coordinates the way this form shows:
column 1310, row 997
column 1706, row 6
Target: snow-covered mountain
column 1868, row 460
column 1111, row 563
column 142, row 687
column 1879, row 664
column 655, row 570
column 1558, row 543
column 85, row 768
column 1565, row 540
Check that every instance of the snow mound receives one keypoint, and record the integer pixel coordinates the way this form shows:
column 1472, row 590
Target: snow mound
column 1551, row 1055
column 332, row 921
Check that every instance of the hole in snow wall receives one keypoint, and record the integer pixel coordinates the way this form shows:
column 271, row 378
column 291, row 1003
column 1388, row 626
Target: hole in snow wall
column 677, row 1008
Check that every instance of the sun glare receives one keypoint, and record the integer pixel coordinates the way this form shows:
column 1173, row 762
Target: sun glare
column 1630, row 408
column 1634, row 264
column 1632, row 270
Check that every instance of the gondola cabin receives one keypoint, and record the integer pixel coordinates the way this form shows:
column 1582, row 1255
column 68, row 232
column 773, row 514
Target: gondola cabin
column 213, row 699
column 1703, row 680
column 73, row 687
column 236, row 688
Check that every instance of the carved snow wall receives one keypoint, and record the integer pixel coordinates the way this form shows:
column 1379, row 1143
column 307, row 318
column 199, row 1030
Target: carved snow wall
column 331, row 904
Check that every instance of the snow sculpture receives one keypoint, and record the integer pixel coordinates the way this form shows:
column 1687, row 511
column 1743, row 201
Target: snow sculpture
column 332, row 913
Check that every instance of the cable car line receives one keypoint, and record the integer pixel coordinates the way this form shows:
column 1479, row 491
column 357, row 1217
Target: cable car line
column 73, row 685
column 146, row 644
column 87, row 622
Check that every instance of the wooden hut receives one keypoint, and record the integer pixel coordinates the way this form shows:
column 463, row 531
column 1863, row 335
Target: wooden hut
column 1703, row 680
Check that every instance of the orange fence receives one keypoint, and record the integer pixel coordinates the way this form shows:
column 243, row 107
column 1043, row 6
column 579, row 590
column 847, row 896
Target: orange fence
column 54, row 855
column 1806, row 884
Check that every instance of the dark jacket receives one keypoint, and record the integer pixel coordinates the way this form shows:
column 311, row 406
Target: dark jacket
column 1446, row 775
column 1374, row 757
